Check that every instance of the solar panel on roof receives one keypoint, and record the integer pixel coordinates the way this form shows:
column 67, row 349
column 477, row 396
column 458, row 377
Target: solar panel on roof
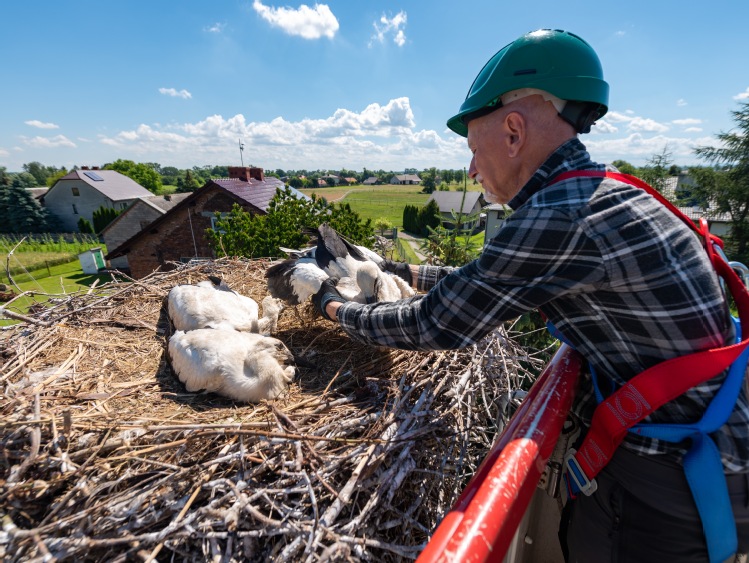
column 94, row 176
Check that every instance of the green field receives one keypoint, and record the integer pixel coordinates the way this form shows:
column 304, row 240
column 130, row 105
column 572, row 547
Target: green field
column 386, row 201
column 42, row 284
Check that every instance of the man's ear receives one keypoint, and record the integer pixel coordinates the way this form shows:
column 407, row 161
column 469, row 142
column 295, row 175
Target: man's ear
column 516, row 129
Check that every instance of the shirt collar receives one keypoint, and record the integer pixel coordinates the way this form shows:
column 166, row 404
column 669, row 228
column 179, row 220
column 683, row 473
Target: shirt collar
column 570, row 155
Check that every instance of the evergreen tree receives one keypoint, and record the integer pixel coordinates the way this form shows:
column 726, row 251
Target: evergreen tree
column 20, row 212
column 102, row 217
column 728, row 187
column 85, row 227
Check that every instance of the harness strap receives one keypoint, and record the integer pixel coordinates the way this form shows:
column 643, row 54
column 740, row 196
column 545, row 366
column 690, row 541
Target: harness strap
column 649, row 390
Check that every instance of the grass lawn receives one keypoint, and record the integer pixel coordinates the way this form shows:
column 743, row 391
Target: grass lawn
column 386, row 201
column 64, row 280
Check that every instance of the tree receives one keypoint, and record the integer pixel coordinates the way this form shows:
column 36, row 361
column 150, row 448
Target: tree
column 429, row 180
column 23, row 180
column 625, row 167
column 655, row 171
column 20, row 212
column 382, row 224
column 244, row 234
column 187, row 184
column 85, row 227
column 52, row 180
column 428, row 217
column 141, row 173
column 102, row 217
column 38, row 171
column 728, row 188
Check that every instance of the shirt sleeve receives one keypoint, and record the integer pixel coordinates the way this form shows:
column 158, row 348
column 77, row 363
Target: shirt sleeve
column 537, row 256
column 430, row 275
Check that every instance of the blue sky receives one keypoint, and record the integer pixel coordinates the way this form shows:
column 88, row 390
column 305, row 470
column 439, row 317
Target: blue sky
column 344, row 83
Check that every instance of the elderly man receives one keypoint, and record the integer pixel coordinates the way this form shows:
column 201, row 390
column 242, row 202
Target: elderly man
column 624, row 281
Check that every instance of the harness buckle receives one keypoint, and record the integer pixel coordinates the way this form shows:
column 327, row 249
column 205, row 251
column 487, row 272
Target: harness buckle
column 578, row 476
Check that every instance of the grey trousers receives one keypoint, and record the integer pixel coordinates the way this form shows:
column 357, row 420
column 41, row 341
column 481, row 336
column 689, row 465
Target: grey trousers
column 643, row 511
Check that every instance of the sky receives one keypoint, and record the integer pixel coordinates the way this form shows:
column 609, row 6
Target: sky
column 343, row 83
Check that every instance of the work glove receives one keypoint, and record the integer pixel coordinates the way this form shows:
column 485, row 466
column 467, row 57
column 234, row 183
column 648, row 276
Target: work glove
column 400, row 269
column 325, row 295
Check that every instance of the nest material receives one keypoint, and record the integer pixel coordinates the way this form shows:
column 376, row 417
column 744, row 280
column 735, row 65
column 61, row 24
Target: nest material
column 105, row 457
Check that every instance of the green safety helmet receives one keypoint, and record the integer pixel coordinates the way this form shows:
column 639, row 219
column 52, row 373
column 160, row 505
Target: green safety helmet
column 555, row 61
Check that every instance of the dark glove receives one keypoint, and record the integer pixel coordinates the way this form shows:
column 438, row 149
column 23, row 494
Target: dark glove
column 400, row 269
column 327, row 293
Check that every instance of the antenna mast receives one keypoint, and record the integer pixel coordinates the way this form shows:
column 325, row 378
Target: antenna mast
column 241, row 148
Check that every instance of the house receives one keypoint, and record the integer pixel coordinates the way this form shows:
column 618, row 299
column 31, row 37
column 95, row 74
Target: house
column 350, row 181
column 405, row 179
column 141, row 213
column 495, row 218
column 451, row 201
column 371, row 181
column 83, row 191
column 675, row 187
column 179, row 234
column 38, row 193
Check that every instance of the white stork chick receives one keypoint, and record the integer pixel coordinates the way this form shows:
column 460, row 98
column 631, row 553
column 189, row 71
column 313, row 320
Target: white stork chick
column 242, row 366
column 293, row 281
column 207, row 305
column 355, row 267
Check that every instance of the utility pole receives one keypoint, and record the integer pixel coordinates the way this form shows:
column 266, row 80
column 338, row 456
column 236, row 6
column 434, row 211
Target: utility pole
column 241, row 148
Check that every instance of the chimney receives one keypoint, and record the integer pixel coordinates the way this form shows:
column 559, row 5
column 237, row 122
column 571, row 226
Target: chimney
column 257, row 173
column 246, row 173
column 84, row 167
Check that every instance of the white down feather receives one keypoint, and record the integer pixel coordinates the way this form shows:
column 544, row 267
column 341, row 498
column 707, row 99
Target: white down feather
column 242, row 366
column 206, row 305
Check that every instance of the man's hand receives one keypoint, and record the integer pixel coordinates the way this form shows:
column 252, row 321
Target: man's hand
column 400, row 269
column 327, row 294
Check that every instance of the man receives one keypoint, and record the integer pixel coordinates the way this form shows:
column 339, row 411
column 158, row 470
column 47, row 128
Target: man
column 623, row 280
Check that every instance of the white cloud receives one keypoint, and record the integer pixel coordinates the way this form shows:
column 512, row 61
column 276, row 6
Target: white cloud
column 388, row 27
column 49, row 142
column 184, row 94
column 633, row 123
column 603, row 126
column 306, row 22
column 681, row 102
column 216, row 28
column 620, row 33
column 41, row 125
column 693, row 130
column 743, row 95
column 637, row 148
column 687, row 121
column 378, row 136
column 3, row 152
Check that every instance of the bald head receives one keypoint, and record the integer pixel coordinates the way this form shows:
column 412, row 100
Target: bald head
column 511, row 143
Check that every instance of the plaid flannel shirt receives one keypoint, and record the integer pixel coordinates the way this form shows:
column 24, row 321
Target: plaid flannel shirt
column 623, row 279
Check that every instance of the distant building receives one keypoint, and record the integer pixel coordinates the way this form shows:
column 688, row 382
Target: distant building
column 495, row 218
column 179, row 234
column 83, row 191
column 405, row 179
column 371, row 181
column 134, row 219
column 451, row 201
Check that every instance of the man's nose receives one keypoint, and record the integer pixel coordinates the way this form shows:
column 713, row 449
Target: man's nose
column 472, row 172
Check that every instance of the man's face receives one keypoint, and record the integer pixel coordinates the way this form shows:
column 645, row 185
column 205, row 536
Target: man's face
column 490, row 165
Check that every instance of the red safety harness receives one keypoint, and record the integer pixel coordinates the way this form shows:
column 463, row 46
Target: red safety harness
column 654, row 387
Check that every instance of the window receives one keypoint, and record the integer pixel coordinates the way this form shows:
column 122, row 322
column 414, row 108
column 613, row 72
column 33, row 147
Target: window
column 213, row 222
column 75, row 210
column 76, row 191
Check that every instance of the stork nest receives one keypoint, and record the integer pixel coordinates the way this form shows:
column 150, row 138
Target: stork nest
column 105, row 457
